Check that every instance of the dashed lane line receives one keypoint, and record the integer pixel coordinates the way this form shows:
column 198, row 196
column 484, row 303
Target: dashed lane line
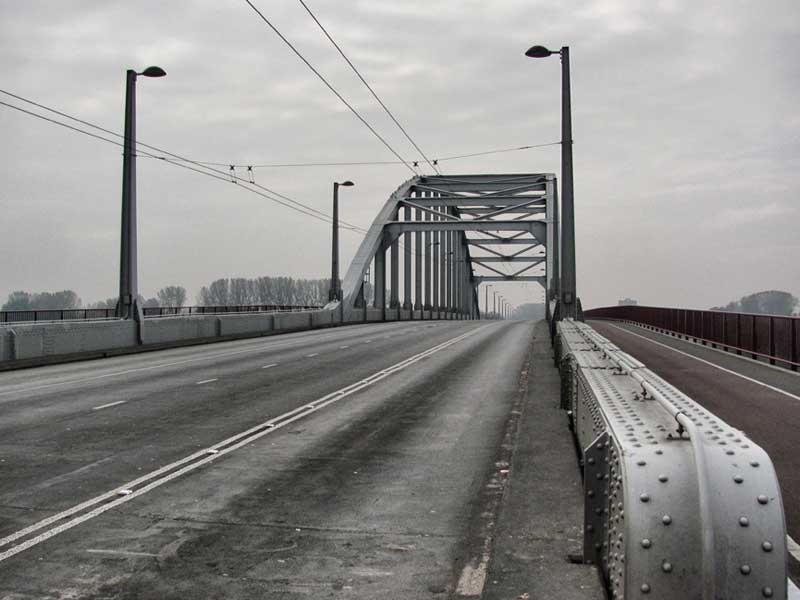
column 269, row 366
column 312, row 355
column 94, row 507
column 207, row 381
column 109, row 405
column 249, row 350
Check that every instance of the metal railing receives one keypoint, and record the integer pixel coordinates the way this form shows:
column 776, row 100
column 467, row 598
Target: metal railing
column 773, row 338
column 677, row 503
column 85, row 314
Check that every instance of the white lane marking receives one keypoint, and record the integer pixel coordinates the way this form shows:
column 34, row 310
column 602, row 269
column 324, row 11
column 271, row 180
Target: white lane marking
column 248, row 350
column 312, row 355
column 794, row 547
column 709, row 363
column 207, row 381
column 368, row 341
column 112, row 499
column 102, row 406
column 121, row 552
column 269, row 366
column 343, row 347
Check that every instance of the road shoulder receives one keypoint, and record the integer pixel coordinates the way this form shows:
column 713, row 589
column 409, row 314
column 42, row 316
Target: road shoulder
column 540, row 521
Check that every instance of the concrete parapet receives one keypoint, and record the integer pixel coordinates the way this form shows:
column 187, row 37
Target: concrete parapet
column 173, row 329
column 405, row 314
column 374, row 314
column 245, row 324
column 37, row 340
column 6, row 344
column 321, row 318
column 292, row 320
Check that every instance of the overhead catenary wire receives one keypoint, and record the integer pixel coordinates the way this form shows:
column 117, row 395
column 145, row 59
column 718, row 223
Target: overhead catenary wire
column 369, row 87
column 256, row 165
column 330, row 87
column 176, row 159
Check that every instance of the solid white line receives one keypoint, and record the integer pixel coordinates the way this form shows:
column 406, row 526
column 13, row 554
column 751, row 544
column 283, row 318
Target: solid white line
column 102, row 406
column 207, row 381
column 248, row 350
column 711, row 364
column 270, row 366
column 793, row 547
column 112, row 499
column 312, row 355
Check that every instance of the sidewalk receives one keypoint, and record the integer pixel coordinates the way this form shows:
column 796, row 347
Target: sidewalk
column 541, row 517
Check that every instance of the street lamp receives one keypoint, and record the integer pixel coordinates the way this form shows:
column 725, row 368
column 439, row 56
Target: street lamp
column 494, row 304
column 567, row 289
column 486, row 300
column 128, row 304
column 335, row 292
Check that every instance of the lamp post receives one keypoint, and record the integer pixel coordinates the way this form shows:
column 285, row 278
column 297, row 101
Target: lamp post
column 335, row 292
column 486, row 300
column 568, row 299
column 128, row 304
column 494, row 304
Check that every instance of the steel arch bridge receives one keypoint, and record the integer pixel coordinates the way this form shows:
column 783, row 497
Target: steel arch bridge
column 455, row 232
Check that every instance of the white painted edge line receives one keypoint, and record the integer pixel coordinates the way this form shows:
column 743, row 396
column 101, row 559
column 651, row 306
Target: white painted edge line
column 793, row 547
column 102, row 406
column 248, row 350
column 312, row 355
column 112, row 498
column 207, row 381
column 709, row 363
column 690, row 340
column 269, row 366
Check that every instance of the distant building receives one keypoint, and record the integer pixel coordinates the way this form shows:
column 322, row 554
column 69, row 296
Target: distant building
column 627, row 302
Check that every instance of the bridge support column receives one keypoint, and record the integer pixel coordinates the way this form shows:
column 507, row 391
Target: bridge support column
column 394, row 254
column 448, row 278
column 380, row 277
column 428, row 249
column 407, row 263
column 435, row 266
column 418, row 264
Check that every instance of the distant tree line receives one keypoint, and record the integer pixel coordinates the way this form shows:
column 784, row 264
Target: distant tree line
column 234, row 291
column 171, row 295
column 770, row 302
column 264, row 290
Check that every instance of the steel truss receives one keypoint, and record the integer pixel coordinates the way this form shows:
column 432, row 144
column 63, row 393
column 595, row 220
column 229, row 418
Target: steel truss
column 455, row 232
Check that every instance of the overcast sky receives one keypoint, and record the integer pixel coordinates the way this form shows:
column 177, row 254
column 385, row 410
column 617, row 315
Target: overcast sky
column 686, row 125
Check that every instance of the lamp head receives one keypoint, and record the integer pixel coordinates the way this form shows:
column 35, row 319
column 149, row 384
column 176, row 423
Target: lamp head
column 153, row 72
column 347, row 183
column 539, row 52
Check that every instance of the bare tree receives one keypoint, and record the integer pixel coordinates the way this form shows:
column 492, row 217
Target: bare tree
column 171, row 295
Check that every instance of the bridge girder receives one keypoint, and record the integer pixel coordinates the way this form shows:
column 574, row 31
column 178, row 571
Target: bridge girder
column 438, row 221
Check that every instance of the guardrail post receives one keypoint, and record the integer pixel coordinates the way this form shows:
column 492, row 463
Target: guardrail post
column 793, row 324
column 772, row 340
column 739, row 334
column 754, row 338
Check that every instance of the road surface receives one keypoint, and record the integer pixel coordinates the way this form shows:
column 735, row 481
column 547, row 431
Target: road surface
column 344, row 462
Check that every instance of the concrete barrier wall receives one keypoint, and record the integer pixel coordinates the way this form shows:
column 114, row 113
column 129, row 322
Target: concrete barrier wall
column 6, row 344
column 42, row 340
column 245, row 324
column 175, row 329
column 292, row 320
column 49, row 340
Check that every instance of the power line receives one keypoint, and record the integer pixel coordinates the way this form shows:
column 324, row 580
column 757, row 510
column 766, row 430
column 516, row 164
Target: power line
column 330, row 87
column 180, row 162
column 369, row 87
column 304, row 208
column 372, row 162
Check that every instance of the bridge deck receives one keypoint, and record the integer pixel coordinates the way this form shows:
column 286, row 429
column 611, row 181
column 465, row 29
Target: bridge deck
column 390, row 491
column 762, row 401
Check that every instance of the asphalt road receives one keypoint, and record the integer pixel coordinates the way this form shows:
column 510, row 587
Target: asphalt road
column 762, row 401
column 336, row 463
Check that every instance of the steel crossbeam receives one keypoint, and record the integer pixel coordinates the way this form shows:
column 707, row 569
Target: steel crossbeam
column 678, row 504
column 439, row 220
